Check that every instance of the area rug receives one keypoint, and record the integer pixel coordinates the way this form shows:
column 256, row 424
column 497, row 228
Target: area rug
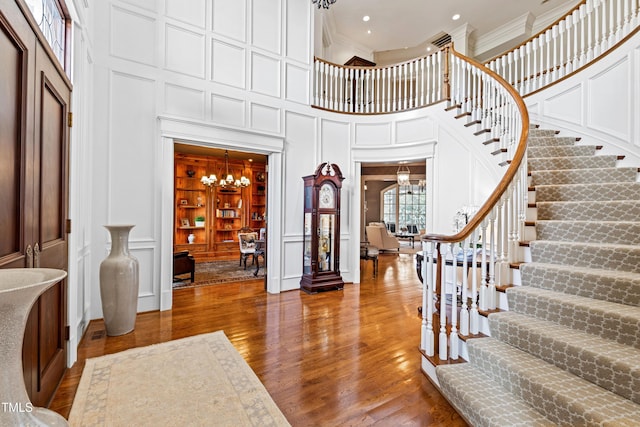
column 223, row 271
column 195, row 381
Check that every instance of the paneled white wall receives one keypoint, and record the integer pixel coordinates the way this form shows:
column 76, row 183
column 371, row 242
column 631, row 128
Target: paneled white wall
column 600, row 104
column 236, row 74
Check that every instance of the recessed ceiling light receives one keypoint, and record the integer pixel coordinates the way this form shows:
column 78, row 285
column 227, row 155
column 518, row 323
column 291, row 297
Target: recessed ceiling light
column 428, row 48
column 456, row 17
column 368, row 31
column 366, row 18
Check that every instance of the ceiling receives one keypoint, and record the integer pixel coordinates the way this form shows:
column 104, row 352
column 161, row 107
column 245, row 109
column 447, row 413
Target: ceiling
column 399, row 24
column 187, row 148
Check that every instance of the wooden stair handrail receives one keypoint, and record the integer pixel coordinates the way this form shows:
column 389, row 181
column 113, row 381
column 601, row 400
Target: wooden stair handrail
column 509, row 175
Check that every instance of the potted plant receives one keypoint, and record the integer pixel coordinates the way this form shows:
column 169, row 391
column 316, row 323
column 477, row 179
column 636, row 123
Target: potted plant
column 199, row 221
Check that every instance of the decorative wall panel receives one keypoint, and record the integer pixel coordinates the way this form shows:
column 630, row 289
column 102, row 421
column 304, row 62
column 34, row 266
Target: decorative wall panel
column 298, row 30
column 228, row 64
column 266, row 28
column 147, row 289
column 612, row 88
column 422, row 129
column 265, row 118
column 297, row 84
column 133, row 36
column 195, row 14
column 184, row 101
column 335, row 148
column 145, row 4
column 301, row 151
column 566, row 106
column 265, row 74
column 229, row 18
column 373, row 134
column 131, row 130
column 228, row 111
column 185, row 51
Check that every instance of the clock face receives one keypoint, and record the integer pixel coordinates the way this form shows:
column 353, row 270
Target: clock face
column 327, row 197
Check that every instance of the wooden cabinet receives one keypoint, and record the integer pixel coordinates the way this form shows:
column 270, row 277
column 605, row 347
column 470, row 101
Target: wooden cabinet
column 190, row 204
column 34, row 137
column 225, row 211
column 258, row 208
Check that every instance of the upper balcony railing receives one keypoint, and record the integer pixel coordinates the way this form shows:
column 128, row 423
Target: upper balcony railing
column 585, row 33
column 373, row 90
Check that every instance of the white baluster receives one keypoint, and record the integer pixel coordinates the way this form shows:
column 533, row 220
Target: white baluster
column 464, row 310
column 491, row 288
column 442, row 339
column 453, row 336
column 474, row 316
column 484, row 283
column 428, row 337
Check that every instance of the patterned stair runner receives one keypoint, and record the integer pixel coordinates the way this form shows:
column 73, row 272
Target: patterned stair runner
column 568, row 350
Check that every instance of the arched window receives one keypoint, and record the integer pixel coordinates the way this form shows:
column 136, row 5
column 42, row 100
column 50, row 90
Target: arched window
column 404, row 207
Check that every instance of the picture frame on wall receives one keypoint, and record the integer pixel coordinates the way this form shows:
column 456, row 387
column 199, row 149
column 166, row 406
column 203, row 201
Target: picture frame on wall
column 184, row 202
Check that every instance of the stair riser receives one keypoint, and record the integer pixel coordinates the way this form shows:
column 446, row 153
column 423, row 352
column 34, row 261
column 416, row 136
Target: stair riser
column 580, row 176
column 619, row 288
column 589, row 211
column 576, row 314
column 623, row 233
column 602, row 192
column 542, row 133
column 576, row 359
column 563, row 163
column 561, row 151
column 588, row 256
column 550, row 141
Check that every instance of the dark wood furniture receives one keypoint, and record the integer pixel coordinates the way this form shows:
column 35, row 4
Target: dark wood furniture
column 183, row 263
column 368, row 252
column 261, row 251
column 321, row 245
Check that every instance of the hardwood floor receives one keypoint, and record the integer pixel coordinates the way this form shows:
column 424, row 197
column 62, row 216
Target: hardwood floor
column 337, row 358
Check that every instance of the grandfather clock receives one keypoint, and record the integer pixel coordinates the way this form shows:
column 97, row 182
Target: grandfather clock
column 321, row 257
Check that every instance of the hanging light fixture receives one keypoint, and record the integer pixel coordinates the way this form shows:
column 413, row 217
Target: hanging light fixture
column 323, row 3
column 403, row 175
column 228, row 181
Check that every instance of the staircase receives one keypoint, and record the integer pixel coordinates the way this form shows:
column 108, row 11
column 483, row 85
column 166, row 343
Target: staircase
column 568, row 350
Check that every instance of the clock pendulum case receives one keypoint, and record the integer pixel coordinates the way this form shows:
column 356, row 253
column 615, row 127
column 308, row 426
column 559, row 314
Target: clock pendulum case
column 321, row 245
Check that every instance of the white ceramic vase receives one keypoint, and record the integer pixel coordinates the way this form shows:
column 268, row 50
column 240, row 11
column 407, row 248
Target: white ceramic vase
column 119, row 282
column 191, row 238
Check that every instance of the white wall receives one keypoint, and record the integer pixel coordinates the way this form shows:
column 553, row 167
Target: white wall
column 236, row 73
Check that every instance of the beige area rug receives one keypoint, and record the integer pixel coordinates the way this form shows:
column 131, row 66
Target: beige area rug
column 195, row 381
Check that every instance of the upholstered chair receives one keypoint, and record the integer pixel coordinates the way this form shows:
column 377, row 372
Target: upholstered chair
column 247, row 242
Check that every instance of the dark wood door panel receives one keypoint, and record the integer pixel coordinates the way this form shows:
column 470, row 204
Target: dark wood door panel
column 13, row 121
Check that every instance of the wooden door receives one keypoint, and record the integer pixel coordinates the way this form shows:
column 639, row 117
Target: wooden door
column 34, row 193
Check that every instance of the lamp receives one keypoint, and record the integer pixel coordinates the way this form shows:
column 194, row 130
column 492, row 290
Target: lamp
column 403, row 175
column 228, row 181
column 323, row 3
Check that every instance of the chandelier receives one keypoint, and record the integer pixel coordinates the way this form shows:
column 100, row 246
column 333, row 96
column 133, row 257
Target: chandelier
column 229, row 181
column 403, row 175
column 323, row 3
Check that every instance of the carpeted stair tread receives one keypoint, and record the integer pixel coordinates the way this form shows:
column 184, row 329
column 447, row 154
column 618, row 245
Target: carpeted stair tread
column 621, row 287
column 562, row 397
column 588, row 255
column 581, row 162
column 617, row 210
column 561, row 151
column 479, row 407
column 549, row 141
column 608, row 320
column 543, row 133
column 594, row 191
column 607, row 364
column 618, row 232
column 578, row 176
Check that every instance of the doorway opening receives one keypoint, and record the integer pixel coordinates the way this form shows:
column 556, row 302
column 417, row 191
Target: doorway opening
column 219, row 215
